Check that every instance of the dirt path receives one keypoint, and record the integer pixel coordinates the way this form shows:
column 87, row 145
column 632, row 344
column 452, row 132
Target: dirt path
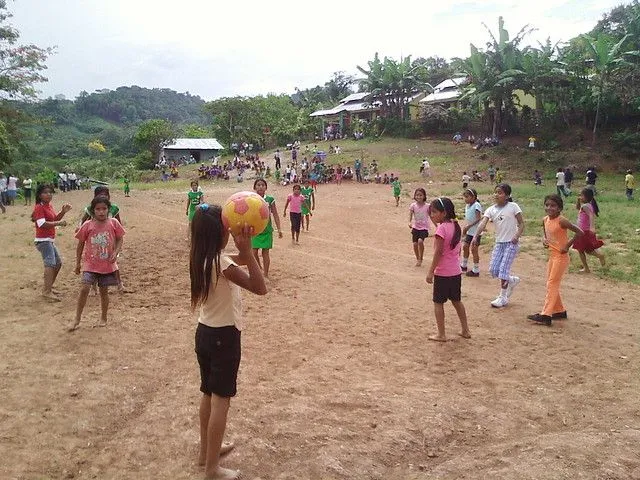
column 337, row 379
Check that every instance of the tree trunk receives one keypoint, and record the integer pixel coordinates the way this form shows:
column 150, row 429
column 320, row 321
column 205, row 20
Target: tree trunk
column 595, row 122
column 496, row 116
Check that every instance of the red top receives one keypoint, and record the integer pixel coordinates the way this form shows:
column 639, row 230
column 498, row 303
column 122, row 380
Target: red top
column 43, row 212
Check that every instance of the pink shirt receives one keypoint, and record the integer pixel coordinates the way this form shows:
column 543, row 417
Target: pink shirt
column 583, row 217
column 99, row 243
column 420, row 215
column 295, row 203
column 449, row 264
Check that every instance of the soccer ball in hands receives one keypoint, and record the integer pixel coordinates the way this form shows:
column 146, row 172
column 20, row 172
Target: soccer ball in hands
column 245, row 208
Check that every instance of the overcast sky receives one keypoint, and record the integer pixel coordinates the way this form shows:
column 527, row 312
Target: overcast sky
column 248, row 47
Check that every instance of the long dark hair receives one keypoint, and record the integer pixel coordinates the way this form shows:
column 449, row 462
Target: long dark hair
column 588, row 194
column 506, row 188
column 444, row 204
column 555, row 198
column 207, row 235
column 101, row 191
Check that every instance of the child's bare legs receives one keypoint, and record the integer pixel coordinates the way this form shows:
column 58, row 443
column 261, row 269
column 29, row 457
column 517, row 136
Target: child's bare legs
column 438, row 309
column 297, row 235
column 120, row 286
column 257, row 256
column 600, row 255
column 397, row 201
column 462, row 315
column 585, row 266
column 465, row 251
column 266, row 261
column 416, row 250
column 475, row 254
column 104, row 306
column 213, row 422
column 82, row 301
column 306, row 220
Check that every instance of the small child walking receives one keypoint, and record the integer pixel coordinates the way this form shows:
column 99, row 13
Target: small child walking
column 103, row 237
column 397, row 188
column 588, row 243
column 445, row 273
column 506, row 215
column 472, row 217
column 296, row 200
column 217, row 280
column 419, row 213
column 264, row 241
column 127, row 188
column 629, row 184
column 195, row 196
column 556, row 240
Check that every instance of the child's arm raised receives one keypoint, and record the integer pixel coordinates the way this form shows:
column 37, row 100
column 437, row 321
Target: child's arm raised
column 438, row 247
column 253, row 280
column 566, row 224
column 65, row 208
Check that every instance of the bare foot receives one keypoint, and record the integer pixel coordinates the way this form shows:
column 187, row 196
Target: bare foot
column 584, row 270
column 51, row 297
column 437, row 338
column 224, row 449
column 223, row 474
column 465, row 334
column 101, row 323
column 419, row 263
column 73, row 326
column 603, row 262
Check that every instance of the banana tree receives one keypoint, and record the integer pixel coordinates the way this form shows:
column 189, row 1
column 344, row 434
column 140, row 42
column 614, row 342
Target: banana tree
column 605, row 57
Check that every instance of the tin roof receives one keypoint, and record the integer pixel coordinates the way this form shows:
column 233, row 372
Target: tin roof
column 195, row 144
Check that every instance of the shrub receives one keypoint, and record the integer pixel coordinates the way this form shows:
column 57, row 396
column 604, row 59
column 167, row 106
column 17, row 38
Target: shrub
column 626, row 142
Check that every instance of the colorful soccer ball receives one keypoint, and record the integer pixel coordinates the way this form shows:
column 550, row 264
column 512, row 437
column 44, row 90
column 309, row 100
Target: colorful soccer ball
column 245, row 207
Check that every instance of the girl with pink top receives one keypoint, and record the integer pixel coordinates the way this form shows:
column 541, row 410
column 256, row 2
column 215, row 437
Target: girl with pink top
column 445, row 273
column 419, row 212
column 588, row 242
column 296, row 200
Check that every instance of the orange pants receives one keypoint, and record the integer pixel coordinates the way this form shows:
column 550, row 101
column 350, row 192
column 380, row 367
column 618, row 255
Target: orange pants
column 556, row 268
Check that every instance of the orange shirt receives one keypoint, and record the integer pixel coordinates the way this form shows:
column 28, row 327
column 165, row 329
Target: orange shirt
column 556, row 235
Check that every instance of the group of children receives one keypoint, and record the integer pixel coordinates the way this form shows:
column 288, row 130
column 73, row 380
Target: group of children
column 445, row 271
column 99, row 235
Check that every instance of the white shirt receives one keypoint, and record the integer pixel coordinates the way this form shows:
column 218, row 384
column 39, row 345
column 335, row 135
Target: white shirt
column 73, row 176
column 63, row 177
column 505, row 221
column 12, row 184
column 224, row 304
column 425, row 164
column 3, row 184
column 560, row 179
column 466, row 178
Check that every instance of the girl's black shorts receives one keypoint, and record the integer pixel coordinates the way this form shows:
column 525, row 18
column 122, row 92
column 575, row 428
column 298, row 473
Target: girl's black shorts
column 218, row 350
column 417, row 234
column 296, row 221
column 447, row 288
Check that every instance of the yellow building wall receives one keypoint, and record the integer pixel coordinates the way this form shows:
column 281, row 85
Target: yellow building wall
column 525, row 99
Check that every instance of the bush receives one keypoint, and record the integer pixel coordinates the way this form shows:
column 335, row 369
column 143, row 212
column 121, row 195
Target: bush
column 627, row 143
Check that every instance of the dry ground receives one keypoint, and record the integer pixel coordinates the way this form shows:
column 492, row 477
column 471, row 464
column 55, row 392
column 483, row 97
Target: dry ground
column 337, row 379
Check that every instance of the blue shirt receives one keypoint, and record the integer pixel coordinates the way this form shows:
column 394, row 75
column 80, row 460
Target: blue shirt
column 470, row 216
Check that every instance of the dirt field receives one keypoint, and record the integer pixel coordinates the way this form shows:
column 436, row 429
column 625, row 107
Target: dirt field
column 337, row 380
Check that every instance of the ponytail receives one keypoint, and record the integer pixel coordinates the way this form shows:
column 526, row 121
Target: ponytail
column 506, row 188
column 444, row 204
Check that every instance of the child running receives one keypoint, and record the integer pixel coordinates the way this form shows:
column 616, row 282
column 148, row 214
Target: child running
column 103, row 237
column 114, row 212
column 397, row 188
column 445, row 273
column 309, row 204
column 296, row 199
column 216, row 284
column 264, row 240
column 554, row 228
column 46, row 220
column 472, row 216
column 588, row 243
column 419, row 212
column 506, row 215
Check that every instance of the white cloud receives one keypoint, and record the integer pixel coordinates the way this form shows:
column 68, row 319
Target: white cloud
column 248, row 47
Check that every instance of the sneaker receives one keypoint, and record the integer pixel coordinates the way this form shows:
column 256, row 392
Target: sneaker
column 512, row 284
column 560, row 315
column 538, row 318
column 500, row 302
column 471, row 273
column 464, row 269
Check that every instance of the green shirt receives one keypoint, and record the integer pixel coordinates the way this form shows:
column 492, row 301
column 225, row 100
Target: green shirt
column 194, row 200
column 396, row 188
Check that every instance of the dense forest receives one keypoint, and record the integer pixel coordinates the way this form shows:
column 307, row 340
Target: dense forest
column 589, row 84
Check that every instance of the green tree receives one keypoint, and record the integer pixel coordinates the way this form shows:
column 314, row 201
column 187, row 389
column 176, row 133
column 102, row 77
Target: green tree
column 152, row 136
column 193, row 130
